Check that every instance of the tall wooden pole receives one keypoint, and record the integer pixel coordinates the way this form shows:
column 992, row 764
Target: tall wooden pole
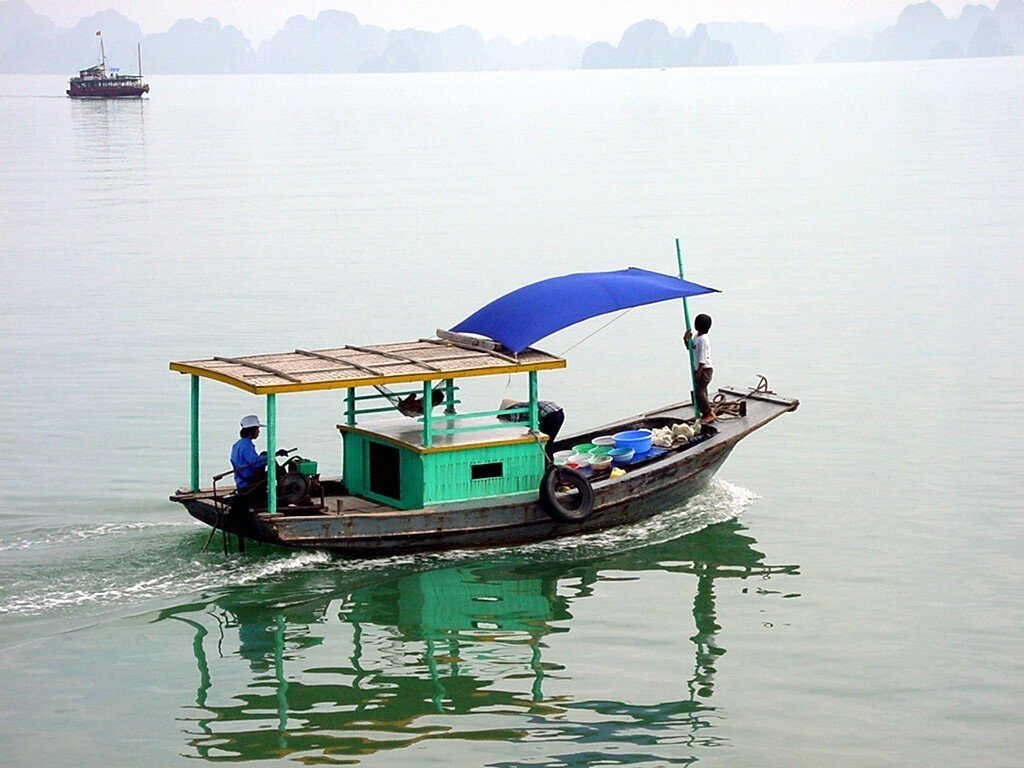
column 689, row 347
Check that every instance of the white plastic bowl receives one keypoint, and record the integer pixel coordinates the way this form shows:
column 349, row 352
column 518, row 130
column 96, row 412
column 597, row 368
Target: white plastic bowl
column 606, row 440
column 579, row 459
column 563, row 456
column 600, row 462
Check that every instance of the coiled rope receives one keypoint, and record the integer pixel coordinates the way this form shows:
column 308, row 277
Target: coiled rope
column 733, row 408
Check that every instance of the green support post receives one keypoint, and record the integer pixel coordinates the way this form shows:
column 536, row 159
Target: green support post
column 689, row 347
column 194, row 475
column 449, row 396
column 428, row 416
column 271, row 457
column 534, row 408
column 350, row 410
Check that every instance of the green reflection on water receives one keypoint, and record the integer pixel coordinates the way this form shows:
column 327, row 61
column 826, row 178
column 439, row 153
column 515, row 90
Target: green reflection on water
column 448, row 653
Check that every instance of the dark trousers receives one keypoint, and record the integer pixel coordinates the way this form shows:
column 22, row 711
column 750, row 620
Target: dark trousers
column 703, row 379
column 252, row 494
column 550, row 425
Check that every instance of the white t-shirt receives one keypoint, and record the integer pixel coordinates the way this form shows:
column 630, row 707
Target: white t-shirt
column 701, row 351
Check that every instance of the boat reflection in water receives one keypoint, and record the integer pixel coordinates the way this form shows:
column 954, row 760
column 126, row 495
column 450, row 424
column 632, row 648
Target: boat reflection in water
column 351, row 672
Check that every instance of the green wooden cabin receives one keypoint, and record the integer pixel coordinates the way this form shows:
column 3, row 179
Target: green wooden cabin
column 404, row 462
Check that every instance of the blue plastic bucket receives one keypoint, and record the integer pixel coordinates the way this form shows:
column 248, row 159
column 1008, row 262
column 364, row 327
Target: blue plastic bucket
column 640, row 440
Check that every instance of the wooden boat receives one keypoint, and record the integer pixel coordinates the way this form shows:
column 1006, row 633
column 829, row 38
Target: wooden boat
column 451, row 479
column 100, row 83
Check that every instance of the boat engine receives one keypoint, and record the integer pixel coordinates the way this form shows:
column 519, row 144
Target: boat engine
column 297, row 481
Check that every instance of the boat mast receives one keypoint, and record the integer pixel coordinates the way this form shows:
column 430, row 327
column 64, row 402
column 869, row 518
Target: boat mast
column 138, row 49
column 689, row 347
column 103, row 53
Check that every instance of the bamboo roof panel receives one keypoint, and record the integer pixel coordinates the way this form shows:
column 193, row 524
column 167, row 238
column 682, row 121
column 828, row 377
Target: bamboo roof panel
column 380, row 364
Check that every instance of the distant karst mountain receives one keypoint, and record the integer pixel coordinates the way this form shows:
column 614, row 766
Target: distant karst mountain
column 650, row 44
column 194, row 47
column 923, row 32
column 32, row 43
column 332, row 42
column 459, row 49
column 752, row 43
column 335, row 41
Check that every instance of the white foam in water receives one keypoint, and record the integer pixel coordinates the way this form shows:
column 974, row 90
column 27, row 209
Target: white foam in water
column 75, row 533
column 298, row 562
column 193, row 576
column 719, row 502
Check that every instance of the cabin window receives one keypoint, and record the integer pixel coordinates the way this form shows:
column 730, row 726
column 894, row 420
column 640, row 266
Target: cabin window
column 487, row 471
column 385, row 475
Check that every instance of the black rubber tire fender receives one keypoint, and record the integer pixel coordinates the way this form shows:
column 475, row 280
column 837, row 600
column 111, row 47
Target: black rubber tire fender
column 557, row 507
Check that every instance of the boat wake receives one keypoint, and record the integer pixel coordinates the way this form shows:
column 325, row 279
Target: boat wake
column 104, row 567
column 720, row 502
column 111, row 590
column 81, row 533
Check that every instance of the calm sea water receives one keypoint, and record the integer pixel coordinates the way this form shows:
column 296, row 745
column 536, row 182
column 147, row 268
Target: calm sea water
column 846, row 593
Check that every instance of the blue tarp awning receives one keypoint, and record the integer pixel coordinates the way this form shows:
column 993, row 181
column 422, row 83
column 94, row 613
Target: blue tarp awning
column 528, row 314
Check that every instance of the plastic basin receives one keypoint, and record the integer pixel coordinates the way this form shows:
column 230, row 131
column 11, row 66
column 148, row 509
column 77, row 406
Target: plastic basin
column 606, row 440
column 640, row 440
column 601, row 450
column 584, row 447
column 600, row 462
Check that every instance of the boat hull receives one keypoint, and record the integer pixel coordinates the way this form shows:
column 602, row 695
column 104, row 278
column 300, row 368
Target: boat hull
column 520, row 522
column 120, row 92
column 360, row 528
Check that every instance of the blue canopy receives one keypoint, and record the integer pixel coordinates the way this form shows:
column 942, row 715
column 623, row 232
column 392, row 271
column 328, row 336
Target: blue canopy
column 528, row 314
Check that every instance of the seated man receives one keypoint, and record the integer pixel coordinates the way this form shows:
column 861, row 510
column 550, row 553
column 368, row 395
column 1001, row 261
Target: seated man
column 550, row 414
column 250, row 467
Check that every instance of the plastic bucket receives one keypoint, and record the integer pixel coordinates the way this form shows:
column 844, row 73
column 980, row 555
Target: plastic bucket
column 640, row 440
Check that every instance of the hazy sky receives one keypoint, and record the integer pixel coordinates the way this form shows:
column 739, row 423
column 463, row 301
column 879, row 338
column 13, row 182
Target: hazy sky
column 517, row 19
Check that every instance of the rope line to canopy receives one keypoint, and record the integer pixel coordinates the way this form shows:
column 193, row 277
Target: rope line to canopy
column 618, row 316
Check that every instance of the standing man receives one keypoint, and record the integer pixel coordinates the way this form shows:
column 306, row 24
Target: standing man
column 703, row 367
